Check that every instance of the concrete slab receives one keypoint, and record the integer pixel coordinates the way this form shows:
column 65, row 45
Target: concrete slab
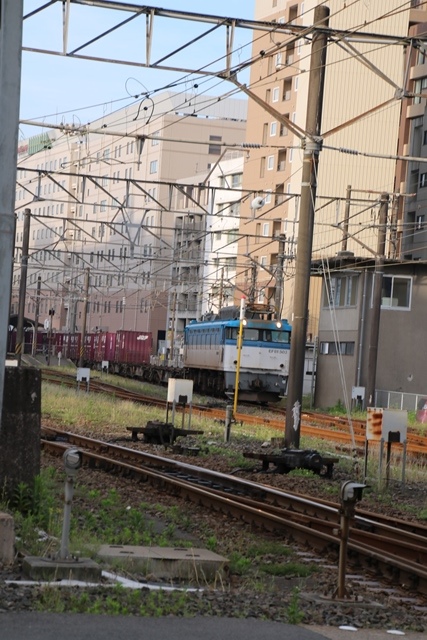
column 166, row 563
column 7, row 538
column 50, row 570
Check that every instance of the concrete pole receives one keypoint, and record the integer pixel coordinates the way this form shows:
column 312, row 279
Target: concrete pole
column 305, row 231
column 278, row 293
column 221, row 290
column 252, row 289
column 20, row 342
column 11, row 16
column 376, row 303
column 239, row 345
column 346, row 218
column 172, row 329
column 84, row 317
column 36, row 316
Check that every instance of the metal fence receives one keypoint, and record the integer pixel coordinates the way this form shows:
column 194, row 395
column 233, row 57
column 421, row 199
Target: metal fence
column 398, row 400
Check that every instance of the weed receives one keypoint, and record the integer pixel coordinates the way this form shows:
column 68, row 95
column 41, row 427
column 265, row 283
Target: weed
column 239, row 564
column 302, row 473
column 295, row 615
column 212, row 543
column 288, row 570
column 267, row 547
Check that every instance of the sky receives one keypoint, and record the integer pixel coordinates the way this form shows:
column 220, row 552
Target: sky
column 57, row 89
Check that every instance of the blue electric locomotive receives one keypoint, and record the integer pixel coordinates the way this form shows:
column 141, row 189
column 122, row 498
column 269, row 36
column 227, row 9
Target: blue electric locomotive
column 210, row 354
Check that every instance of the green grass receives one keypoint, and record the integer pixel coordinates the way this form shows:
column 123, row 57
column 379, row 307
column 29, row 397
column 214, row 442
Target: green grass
column 100, row 414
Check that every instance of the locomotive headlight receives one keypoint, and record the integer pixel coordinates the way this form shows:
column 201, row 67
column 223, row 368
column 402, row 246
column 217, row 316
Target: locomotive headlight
column 244, row 323
column 279, row 325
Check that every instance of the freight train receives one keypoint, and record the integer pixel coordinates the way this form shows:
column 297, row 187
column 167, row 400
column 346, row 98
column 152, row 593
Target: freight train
column 208, row 355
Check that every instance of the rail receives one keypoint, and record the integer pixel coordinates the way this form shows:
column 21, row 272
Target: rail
column 395, row 550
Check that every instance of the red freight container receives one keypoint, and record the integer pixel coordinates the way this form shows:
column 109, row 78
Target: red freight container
column 71, row 346
column 133, row 347
column 89, row 347
column 109, row 352
column 59, row 343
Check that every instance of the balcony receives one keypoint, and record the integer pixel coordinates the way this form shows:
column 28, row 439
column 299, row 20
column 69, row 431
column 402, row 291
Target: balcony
column 417, row 12
column 416, row 110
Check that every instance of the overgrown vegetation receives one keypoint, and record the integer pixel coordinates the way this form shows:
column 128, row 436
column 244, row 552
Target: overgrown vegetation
column 101, row 516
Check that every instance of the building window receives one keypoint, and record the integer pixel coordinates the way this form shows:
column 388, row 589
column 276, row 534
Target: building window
column 273, row 129
column 155, row 142
column 264, row 132
column 153, row 166
column 236, row 180
column 333, row 348
column 423, row 180
column 341, row 291
column 234, row 209
column 422, row 55
column 287, row 89
column 396, row 292
column 266, row 229
column 276, row 94
column 270, row 163
column 419, row 87
column 281, row 160
column 214, row 147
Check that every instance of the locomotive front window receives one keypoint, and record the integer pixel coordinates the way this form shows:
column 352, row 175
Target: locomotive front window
column 248, row 334
column 284, row 337
column 251, row 334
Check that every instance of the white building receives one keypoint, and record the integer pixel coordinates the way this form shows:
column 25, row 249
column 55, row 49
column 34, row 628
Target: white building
column 207, row 218
column 102, row 202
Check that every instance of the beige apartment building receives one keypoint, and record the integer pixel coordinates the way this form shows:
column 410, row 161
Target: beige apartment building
column 349, row 183
column 101, row 201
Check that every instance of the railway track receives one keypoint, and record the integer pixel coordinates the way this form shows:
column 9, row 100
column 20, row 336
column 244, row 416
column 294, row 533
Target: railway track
column 395, row 551
column 325, row 427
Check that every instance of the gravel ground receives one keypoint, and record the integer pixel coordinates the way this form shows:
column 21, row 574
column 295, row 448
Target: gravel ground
column 304, row 600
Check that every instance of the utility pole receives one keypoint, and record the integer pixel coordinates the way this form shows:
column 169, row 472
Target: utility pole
column 346, row 219
column 278, row 294
column 84, row 318
column 252, row 289
column 305, row 233
column 172, row 329
column 221, row 289
column 11, row 16
column 376, row 302
column 20, row 342
column 36, row 316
